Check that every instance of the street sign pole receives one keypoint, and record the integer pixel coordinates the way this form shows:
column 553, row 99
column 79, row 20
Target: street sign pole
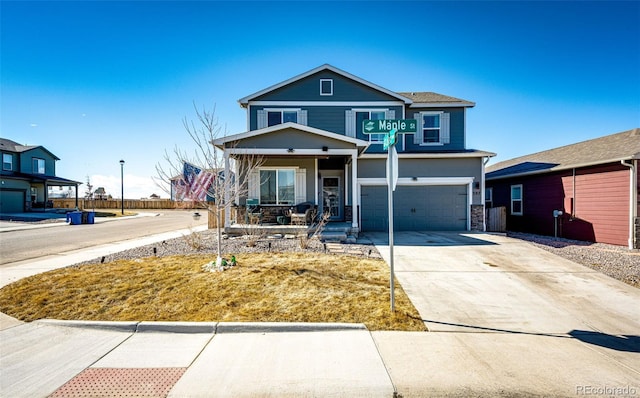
column 390, row 188
column 390, row 128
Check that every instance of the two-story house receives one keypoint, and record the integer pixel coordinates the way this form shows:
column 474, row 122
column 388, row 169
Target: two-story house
column 27, row 173
column 309, row 131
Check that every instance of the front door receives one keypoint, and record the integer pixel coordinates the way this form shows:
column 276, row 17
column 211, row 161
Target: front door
column 331, row 198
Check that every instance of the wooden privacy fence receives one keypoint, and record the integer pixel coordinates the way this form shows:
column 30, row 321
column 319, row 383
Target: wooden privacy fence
column 496, row 219
column 117, row 204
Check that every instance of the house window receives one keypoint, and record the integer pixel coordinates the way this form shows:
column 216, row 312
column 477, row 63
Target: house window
column 277, row 186
column 279, row 117
column 38, row 166
column 488, row 198
column 326, row 86
column 516, row 200
column 273, row 117
column 7, row 161
column 362, row 115
column 430, row 128
column 433, row 128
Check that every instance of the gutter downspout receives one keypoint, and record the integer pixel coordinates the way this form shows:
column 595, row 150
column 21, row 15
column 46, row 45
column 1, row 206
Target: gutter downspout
column 573, row 206
column 483, row 188
column 633, row 180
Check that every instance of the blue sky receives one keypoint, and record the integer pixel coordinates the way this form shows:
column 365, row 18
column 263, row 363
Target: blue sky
column 95, row 82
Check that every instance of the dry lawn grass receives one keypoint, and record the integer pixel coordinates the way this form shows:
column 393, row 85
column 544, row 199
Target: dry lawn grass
column 269, row 287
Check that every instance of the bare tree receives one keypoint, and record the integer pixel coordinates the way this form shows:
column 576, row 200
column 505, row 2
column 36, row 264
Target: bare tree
column 224, row 189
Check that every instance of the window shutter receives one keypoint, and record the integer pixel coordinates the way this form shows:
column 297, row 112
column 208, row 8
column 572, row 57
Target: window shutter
column 302, row 117
column 418, row 136
column 350, row 123
column 301, row 185
column 253, row 185
column 262, row 118
column 445, row 136
column 390, row 114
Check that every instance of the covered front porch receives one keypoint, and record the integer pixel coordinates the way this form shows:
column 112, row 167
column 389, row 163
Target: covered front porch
column 301, row 167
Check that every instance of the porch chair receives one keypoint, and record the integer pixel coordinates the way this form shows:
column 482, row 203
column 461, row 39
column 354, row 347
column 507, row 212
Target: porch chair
column 304, row 213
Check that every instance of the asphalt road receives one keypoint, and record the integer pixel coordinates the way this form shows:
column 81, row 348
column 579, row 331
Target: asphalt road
column 19, row 245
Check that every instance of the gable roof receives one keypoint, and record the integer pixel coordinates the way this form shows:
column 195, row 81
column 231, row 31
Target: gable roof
column 607, row 149
column 431, row 99
column 12, row 146
column 245, row 100
column 219, row 142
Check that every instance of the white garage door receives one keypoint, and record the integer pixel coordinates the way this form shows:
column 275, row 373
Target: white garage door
column 416, row 208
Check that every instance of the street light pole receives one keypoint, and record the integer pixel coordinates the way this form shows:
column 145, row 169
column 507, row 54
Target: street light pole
column 122, row 185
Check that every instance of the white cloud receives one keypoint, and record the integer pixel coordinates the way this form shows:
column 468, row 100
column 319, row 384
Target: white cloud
column 135, row 187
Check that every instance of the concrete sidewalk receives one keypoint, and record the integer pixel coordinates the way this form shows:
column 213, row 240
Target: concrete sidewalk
column 74, row 359
column 110, row 359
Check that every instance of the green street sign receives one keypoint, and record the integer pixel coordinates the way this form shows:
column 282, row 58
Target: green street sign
column 389, row 139
column 386, row 125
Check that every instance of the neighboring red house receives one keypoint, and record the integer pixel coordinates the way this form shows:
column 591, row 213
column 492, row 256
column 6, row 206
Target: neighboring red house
column 594, row 183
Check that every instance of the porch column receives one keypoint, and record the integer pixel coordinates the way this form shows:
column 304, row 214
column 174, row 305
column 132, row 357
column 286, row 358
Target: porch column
column 315, row 177
column 469, row 202
column 354, row 189
column 227, row 194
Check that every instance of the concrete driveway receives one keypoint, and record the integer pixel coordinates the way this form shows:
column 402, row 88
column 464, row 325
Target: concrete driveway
column 508, row 318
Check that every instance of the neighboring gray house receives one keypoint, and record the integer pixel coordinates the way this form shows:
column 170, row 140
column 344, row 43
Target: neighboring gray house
column 309, row 131
column 26, row 175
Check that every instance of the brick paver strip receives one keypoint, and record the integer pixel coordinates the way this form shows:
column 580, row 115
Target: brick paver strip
column 120, row 382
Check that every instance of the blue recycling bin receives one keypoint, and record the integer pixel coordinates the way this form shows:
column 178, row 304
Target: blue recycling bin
column 74, row 217
column 91, row 217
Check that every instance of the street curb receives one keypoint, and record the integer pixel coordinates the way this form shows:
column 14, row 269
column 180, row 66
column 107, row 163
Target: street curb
column 177, row 327
column 283, row 327
column 204, row 327
column 122, row 326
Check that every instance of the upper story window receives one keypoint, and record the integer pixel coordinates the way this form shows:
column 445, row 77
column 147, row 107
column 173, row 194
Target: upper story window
column 433, row 128
column 279, row 117
column 516, row 200
column 272, row 117
column 361, row 116
column 355, row 117
column 7, row 161
column 38, row 166
column 326, row 86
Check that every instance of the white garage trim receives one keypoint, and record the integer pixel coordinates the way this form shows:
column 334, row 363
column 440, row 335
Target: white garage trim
column 468, row 181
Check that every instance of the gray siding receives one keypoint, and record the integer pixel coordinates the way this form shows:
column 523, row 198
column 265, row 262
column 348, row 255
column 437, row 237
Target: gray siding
column 291, row 138
column 308, row 89
column 26, row 161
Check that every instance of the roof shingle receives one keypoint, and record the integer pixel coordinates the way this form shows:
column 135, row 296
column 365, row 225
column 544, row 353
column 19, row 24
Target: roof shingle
column 610, row 148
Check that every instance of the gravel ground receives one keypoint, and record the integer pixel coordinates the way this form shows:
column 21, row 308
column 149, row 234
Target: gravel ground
column 205, row 242
column 615, row 261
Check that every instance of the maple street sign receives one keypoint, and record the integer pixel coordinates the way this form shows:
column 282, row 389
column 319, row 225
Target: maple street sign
column 386, row 125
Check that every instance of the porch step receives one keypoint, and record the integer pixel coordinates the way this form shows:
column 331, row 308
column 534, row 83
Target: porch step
column 333, row 236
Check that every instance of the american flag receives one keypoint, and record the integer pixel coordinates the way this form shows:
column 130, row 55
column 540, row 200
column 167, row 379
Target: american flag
column 197, row 182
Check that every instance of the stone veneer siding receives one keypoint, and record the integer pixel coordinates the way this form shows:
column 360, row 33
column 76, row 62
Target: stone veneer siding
column 477, row 217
